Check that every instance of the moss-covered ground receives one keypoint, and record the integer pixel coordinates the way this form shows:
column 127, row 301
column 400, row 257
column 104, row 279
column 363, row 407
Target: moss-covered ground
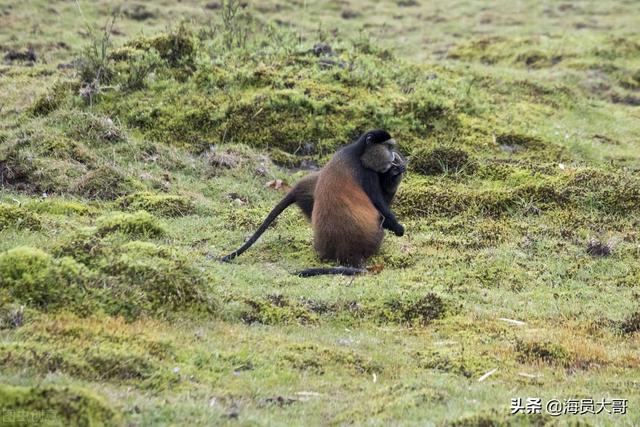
column 140, row 141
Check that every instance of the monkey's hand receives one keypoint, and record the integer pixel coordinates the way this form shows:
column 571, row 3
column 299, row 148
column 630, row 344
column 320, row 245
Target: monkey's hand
column 399, row 230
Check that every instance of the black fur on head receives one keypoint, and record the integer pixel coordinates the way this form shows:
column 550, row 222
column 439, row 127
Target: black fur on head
column 376, row 136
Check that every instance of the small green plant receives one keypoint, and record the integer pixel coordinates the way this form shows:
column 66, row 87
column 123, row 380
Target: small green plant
column 235, row 24
column 94, row 64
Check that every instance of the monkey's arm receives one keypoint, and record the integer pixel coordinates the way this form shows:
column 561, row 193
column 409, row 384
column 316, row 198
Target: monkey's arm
column 390, row 222
column 373, row 187
column 390, row 181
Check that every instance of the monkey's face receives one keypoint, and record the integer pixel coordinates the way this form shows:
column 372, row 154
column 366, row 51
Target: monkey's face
column 378, row 153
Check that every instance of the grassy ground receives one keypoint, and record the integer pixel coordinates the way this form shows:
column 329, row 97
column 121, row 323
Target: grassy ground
column 135, row 150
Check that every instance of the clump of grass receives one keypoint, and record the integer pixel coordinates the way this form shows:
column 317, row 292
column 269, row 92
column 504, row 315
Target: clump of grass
column 85, row 246
column 455, row 361
column 18, row 217
column 119, row 365
column 486, row 419
column 223, row 160
column 423, row 197
column 138, row 224
column 604, row 190
column 134, row 66
column 177, row 47
column 91, row 128
column 276, row 309
column 528, row 146
column 577, row 189
column 53, row 98
column 517, row 141
column 159, row 204
column 12, row 316
column 58, row 405
column 125, row 359
column 319, row 359
column 138, row 12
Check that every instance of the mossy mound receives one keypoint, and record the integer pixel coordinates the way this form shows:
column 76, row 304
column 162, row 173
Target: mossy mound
column 148, row 279
column 605, row 190
column 542, row 351
column 40, row 158
column 177, row 48
column 320, row 360
column 159, row 204
column 140, row 223
column 455, row 361
column 276, row 309
column 56, row 206
column 55, row 406
column 282, row 158
column 523, row 52
column 419, row 197
column 276, row 99
column 172, row 54
column 37, row 139
column 34, row 160
column 107, row 182
column 413, row 311
column 440, row 160
column 120, row 365
column 584, row 188
column 130, row 279
column 18, row 217
column 33, row 277
column 496, row 418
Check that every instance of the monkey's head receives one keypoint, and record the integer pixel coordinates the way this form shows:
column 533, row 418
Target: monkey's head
column 378, row 153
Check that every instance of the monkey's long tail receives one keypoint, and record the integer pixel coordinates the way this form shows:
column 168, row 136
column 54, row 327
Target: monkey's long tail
column 345, row 271
column 277, row 210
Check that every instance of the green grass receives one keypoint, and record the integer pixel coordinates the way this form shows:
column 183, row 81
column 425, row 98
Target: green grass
column 148, row 153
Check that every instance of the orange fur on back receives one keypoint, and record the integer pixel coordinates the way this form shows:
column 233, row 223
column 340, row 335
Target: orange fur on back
column 347, row 226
